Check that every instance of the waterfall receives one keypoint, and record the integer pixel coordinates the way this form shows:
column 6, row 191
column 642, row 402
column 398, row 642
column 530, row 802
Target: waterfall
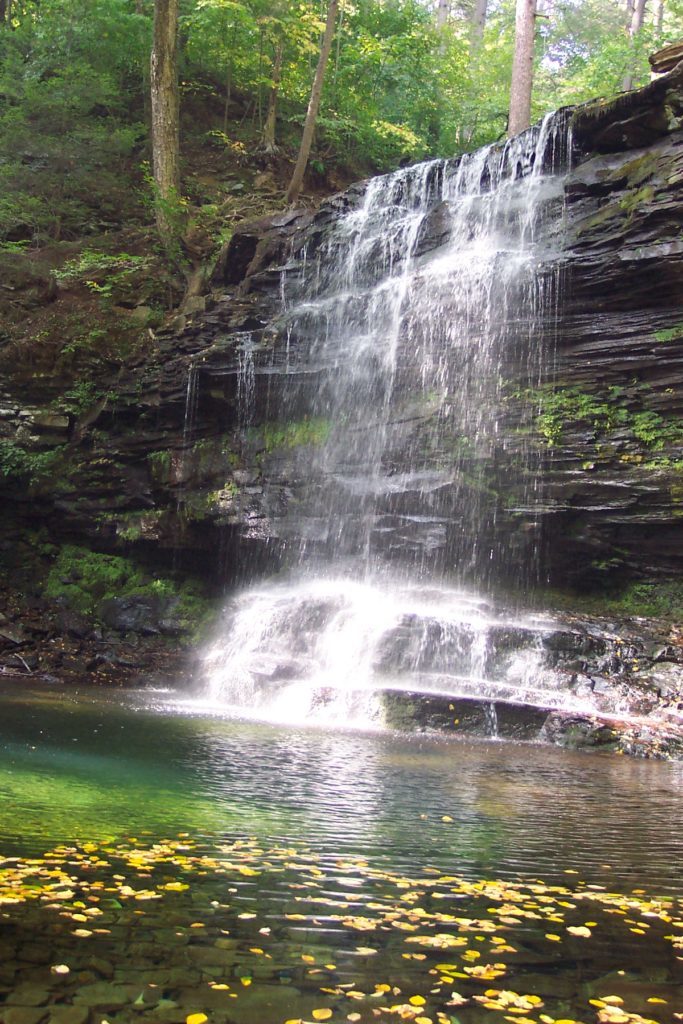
column 400, row 332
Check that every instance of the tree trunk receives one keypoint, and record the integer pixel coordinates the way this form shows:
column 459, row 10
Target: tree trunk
column 228, row 97
column 637, row 18
column 313, row 105
column 522, row 68
column 271, row 116
column 658, row 18
column 146, row 109
column 443, row 10
column 165, row 117
column 636, row 25
column 477, row 25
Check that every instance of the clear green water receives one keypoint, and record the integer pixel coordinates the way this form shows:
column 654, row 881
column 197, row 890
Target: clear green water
column 359, row 860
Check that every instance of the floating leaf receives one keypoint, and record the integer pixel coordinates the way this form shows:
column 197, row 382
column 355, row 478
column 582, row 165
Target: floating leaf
column 323, row 1014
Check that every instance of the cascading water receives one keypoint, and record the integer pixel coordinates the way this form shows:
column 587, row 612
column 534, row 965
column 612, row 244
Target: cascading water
column 414, row 310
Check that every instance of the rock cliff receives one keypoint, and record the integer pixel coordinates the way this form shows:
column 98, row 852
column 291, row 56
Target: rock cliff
column 186, row 462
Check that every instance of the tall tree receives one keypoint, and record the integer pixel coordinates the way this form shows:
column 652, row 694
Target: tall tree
column 313, row 105
column 269, row 145
column 165, row 116
column 634, row 28
column 443, row 10
column 477, row 25
column 522, row 67
column 5, row 10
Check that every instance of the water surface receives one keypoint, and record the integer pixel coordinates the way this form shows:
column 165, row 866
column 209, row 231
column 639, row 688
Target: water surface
column 289, row 863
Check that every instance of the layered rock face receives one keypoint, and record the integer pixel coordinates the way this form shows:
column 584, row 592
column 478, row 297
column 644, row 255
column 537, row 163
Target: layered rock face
column 200, row 456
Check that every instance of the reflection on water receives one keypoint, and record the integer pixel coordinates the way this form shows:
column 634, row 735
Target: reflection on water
column 180, row 864
column 109, row 764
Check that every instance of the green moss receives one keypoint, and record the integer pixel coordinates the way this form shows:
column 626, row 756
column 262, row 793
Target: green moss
column 661, row 599
column 606, row 411
column 634, row 200
column 85, row 578
column 674, row 333
column 295, row 434
column 638, row 170
column 607, row 213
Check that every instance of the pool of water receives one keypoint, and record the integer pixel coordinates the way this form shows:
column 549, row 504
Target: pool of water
column 180, row 862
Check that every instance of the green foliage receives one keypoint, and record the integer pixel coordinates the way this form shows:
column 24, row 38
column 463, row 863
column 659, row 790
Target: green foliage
column 68, row 73
column 81, row 397
column 20, row 464
column 160, row 465
column 661, row 599
column 85, row 578
column 556, row 409
column 91, row 263
column 73, row 77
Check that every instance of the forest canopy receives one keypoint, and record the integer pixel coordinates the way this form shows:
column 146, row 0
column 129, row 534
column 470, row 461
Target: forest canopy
column 405, row 79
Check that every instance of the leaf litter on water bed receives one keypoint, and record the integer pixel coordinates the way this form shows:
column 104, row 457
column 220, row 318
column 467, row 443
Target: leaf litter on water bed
column 493, row 930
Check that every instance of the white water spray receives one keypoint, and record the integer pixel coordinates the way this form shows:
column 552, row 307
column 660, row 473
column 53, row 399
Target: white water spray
column 408, row 319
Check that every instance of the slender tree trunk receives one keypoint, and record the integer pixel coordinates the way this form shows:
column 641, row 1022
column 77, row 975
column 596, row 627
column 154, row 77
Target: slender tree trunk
column 477, row 25
column 260, row 81
column 5, row 11
column 522, row 68
column 443, row 10
column 658, row 18
column 313, row 105
column 165, row 116
column 146, row 109
column 637, row 18
column 271, row 115
column 337, row 57
column 228, row 97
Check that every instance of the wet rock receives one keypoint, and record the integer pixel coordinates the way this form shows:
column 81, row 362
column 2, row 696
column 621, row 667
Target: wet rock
column 68, row 1015
column 545, row 985
column 140, row 614
column 28, row 995
column 34, row 953
column 103, row 967
column 24, row 1015
column 579, row 733
column 665, row 679
column 12, row 635
column 73, row 623
column 210, row 956
column 102, row 995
